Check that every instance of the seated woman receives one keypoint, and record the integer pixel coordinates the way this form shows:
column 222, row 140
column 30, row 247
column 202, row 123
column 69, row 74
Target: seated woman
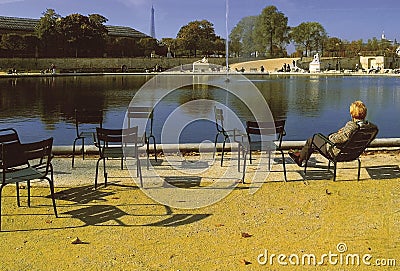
column 358, row 112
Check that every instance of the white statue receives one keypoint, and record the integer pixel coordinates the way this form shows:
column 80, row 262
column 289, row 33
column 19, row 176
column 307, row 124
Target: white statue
column 315, row 65
column 316, row 59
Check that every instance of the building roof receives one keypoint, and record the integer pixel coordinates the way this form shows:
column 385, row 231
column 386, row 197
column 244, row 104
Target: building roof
column 28, row 25
column 18, row 24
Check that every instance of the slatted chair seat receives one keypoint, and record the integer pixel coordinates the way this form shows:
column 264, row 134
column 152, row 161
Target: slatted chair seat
column 22, row 175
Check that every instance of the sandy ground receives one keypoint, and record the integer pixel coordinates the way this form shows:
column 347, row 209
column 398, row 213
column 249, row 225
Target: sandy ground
column 121, row 228
column 270, row 65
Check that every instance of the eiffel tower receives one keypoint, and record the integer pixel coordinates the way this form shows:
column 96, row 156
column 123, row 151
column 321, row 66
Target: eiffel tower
column 152, row 26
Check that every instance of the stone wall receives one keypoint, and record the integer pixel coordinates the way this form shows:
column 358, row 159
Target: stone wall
column 96, row 64
column 341, row 63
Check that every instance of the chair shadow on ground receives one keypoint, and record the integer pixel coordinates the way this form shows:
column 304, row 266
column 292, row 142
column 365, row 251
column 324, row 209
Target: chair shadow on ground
column 179, row 220
column 154, row 163
column 384, row 172
column 194, row 164
column 320, row 172
column 182, row 181
column 82, row 195
column 100, row 214
column 97, row 215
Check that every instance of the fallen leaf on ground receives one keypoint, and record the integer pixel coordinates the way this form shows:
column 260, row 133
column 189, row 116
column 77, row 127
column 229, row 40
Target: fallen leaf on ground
column 328, row 192
column 245, row 262
column 246, row 235
column 76, row 241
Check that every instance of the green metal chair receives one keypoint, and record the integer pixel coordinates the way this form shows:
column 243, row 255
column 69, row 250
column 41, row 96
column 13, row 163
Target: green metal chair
column 25, row 163
column 86, row 121
column 219, row 123
column 144, row 115
column 259, row 134
column 117, row 144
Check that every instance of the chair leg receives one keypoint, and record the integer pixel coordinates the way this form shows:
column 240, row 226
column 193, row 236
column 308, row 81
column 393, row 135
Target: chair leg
column 28, row 183
column 284, row 165
column 105, row 172
column 139, row 171
column 239, row 147
column 305, row 167
column 215, row 144
column 97, row 172
column 154, row 145
column 1, row 190
column 83, row 148
column 73, row 152
column 53, row 198
column 334, row 171
column 18, row 201
column 244, row 166
column 148, row 154
column 359, row 169
column 147, row 141
column 269, row 160
column 223, row 151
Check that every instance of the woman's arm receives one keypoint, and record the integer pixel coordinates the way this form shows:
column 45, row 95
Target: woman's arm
column 344, row 133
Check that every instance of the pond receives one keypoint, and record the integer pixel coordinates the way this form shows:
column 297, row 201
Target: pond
column 40, row 107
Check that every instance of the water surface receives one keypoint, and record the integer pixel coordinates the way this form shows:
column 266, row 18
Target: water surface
column 40, row 107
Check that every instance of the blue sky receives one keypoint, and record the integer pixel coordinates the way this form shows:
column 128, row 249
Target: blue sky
column 349, row 20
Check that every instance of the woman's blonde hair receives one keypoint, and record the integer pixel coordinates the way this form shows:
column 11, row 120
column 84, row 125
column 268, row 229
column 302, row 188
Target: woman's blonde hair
column 358, row 110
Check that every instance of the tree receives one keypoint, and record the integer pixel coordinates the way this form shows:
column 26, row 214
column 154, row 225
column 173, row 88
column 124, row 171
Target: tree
column 123, row 47
column 219, row 46
column 13, row 43
column 170, row 43
column 196, row 35
column 242, row 38
column 99, row 33
column 148, row 45
column 84, row 34
column 309, row 37
column 271, row 31
column 48, row 32
column 354, row 48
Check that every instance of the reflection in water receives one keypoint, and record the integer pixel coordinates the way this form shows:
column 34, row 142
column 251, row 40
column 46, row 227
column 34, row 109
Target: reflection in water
column 44, row 106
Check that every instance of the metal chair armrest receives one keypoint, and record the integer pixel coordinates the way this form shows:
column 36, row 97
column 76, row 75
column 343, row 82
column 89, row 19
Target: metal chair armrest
column 238, row 136
column 325, row 138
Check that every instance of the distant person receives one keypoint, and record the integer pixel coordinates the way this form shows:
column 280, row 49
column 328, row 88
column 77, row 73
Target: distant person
column 53, row 69
column 262, row 68
column 358, row 112
column 242, row 69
